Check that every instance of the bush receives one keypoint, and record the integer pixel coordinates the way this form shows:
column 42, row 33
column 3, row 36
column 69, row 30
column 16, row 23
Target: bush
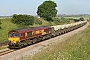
column 23, row 19
column 56, row 20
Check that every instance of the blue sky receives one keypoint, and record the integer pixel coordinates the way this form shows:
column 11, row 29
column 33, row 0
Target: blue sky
column 10, row 7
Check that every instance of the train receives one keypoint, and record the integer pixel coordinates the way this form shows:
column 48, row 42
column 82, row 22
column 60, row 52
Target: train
column 19, row 38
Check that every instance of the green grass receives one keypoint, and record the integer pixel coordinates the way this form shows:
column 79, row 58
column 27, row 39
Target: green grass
column 44, row 22
column 3, row 47
column 76, row 47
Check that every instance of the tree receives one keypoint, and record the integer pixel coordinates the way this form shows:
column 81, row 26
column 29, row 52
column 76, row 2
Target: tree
column 23, row 19
column 47, row 10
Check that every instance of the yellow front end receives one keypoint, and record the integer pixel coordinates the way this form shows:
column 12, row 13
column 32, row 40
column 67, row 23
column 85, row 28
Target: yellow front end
column 14, row 40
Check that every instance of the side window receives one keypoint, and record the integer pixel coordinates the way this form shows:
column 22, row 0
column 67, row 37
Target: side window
column 29, row 34
column 47, row 31
column 10, row 35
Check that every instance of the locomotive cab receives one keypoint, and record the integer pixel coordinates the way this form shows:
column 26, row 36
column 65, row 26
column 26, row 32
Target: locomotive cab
column 13, row 37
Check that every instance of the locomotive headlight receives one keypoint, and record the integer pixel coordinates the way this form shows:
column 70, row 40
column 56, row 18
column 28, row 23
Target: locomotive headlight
column 14, row 41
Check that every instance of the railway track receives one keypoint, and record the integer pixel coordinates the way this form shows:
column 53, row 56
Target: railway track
column 6, row 52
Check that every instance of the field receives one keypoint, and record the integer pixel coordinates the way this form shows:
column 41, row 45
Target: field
column 75, row 48
column 85, row 17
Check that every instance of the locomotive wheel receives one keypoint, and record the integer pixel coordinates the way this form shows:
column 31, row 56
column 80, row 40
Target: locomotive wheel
column 34, row 40
column 59, row 33
column 48, row 36
column 39, row 39
column 29, row 42
column 20, row 47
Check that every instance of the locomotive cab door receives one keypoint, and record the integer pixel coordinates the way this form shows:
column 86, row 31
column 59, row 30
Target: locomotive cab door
column 22, row 36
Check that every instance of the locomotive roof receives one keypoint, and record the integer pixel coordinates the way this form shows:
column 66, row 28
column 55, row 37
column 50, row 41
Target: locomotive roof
column 23, row 30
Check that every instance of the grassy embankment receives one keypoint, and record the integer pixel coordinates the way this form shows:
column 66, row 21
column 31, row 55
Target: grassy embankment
column 6, row 26
column 75, row 48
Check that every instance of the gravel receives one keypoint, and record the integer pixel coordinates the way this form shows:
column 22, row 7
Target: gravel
column 35, row 48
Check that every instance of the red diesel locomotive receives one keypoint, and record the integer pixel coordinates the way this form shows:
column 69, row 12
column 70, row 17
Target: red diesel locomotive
column 22, row 37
